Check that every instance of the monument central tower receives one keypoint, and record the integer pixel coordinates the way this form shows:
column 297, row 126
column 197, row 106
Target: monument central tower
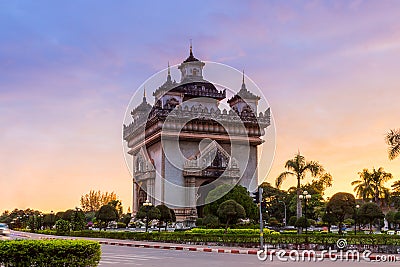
column 184, row 145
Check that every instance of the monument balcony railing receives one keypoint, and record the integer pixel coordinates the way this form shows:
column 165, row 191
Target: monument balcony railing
column 199, row 113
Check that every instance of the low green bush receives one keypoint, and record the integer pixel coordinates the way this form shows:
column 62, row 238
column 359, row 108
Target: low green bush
column 121, row 225
column 211, row 221
column 199, row 222
column 63, row 227
column 49, row 253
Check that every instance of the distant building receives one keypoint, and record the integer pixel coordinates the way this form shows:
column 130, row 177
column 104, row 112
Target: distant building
column 184, row 141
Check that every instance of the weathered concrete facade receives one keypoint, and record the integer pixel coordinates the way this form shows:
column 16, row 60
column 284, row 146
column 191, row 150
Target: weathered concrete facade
column 184, row 145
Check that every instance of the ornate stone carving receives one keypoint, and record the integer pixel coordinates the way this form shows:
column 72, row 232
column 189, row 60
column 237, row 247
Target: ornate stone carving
column 213, row 161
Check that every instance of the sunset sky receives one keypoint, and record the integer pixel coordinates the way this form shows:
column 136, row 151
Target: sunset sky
column 329, row 69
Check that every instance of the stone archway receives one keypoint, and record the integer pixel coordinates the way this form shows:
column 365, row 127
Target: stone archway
column 205, row 170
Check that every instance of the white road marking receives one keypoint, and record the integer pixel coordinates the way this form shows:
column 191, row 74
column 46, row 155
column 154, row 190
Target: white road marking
column 117, row 258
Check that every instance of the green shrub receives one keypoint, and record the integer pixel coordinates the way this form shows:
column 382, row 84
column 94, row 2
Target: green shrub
column 289, row 232
column 273, row 221
column 63, row 227
column 49, row 253
column 302, row 222
column 211, row 221
column 47, row 232
column 121, row 225
column 199, row 222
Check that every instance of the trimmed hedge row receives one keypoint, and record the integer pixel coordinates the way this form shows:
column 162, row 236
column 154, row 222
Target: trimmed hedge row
column 237, row 238
column 331, row 239
column 231, row 231
column 172, row 237
column 49, row 253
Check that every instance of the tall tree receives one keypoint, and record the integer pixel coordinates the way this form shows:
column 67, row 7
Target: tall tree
column 93, row 200
column 225, row 192
column 275, row 201
column 126, row 219
column 341, row 205
column 391, row 218
column 395, row 195
column 363, row 187
column 150, row 213
column 106, row 214
column 396, row 188
column 393, row 140
column 49, row 220
column 67, row 215
column 299, row 167
column 78, row 220
column 230, row 211
column 165, row 216
column 117, row 204
column 320, row 184
column 372, row 185
column 329, row 219
column 369, row 212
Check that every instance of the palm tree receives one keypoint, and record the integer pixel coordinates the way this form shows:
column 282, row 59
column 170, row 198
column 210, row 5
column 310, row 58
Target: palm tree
column 396, row 187
column 363, row 187
column 298, row 167
column 371, row 185
column 379, row 178
column 393, row 140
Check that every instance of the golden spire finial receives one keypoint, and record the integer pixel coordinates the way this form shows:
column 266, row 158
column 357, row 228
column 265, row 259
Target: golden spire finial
column 169, row 71
column 243, row 76
column 144, row 91
column 191, row 47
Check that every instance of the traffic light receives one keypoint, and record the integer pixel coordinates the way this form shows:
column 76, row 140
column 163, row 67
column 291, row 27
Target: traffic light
column 263, row 207
column 256, row 197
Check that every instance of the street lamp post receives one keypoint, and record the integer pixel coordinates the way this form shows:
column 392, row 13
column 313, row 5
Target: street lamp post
column 305, row 196
column 26, row 220
column 76, row 222
column 148, row 205
column 40, row 221
column 355, row 219
column 52, row 219
column 284, row 204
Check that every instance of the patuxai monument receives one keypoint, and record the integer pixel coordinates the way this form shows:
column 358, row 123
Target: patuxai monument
column 185, row 144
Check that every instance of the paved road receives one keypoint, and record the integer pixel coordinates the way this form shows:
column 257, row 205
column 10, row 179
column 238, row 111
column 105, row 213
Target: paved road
column 114, row 255
column 12, row 236
column 129, row 256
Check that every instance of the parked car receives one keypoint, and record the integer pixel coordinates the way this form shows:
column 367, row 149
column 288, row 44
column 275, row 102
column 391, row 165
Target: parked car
column 4, row 230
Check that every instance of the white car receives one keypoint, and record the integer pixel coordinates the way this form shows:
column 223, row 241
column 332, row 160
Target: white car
column 4, row 230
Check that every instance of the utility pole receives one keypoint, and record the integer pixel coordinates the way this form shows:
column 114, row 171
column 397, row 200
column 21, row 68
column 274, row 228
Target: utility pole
column 284, row 204
column 260, row 193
